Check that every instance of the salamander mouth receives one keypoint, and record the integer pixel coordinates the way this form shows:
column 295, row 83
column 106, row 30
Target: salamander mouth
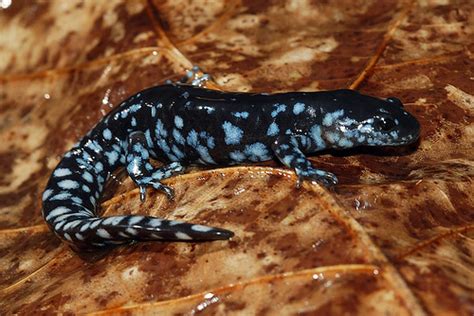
column 407, row 140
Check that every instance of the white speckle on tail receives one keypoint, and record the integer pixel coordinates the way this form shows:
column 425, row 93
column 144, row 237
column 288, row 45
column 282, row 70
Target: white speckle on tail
column 134, row 219
column 201, row 228
column 95, row 223
column 131, row 231
column 46, row 194
column 103, row 233
column 88, row 177
column 58, row 226
column 114, row 220
column 61, row 196
column 72, row 224
column 68, row 184
column 85, row 227
column 182, row 236
column 62, row 172
column 155, row 222
column 60, row 210
column 174, row 223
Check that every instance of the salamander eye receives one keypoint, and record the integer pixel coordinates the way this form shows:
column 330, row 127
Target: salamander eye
column 385, row 124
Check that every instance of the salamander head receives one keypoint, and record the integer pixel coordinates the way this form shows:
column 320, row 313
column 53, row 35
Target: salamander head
column 367, row 121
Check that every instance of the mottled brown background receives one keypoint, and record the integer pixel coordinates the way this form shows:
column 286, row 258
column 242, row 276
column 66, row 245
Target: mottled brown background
column 395, row 237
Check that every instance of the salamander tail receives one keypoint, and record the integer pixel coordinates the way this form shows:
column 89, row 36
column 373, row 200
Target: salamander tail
column 98, row 232
column 151, row 228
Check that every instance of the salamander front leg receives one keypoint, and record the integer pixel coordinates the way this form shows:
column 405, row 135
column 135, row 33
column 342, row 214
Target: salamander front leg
column 287, row 149
column 142, row 172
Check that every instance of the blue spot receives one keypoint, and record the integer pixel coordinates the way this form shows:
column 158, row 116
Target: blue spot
column 112, row 157
column 134, row 121
column 62, row 172
column 107, row 134
column 160, row 129
column 205, row 156
column 317, row 136
column 330, row 118
column 61, row 196
column 243, row 115
column 210, row 142
column 298, row 108
column 178, row 137
column 139, row 149
column 273, row 129
column 153, row 111
column 99, row 167
column 332, row 137
column 192, row 138
column 257, row 152
column 305, row 141
column 134, row 108
column 178, row 121
column 149, row 141
column 278, row 109
column 208, row 139
column 233, row 134
column 94, row 145
column 237, row 156
column 88, row 177
column 68, row 184
column 287, row 159
column 46, row 194
column 345, row 143
column 76, row 200
column 178, row 153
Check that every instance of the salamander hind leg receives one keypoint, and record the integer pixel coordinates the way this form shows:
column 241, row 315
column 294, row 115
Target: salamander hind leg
column 287, row 149
column 194, row 76
column 142, row 172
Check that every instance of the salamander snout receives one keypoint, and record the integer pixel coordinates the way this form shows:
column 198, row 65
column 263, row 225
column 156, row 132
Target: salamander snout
column 395, row 101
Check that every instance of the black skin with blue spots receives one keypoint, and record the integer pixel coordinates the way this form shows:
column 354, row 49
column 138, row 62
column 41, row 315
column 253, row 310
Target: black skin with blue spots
column 181, row 125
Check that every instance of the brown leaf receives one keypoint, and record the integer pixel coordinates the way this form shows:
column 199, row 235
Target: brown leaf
column 395, row 237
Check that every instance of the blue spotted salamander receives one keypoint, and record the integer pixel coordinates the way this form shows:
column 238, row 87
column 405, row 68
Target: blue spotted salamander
column 182, row 125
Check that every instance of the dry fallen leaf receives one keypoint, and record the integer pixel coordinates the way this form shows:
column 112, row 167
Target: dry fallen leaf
column 395, row 237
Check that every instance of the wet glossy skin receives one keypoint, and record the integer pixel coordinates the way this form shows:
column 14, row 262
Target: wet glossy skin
column 181, row 125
